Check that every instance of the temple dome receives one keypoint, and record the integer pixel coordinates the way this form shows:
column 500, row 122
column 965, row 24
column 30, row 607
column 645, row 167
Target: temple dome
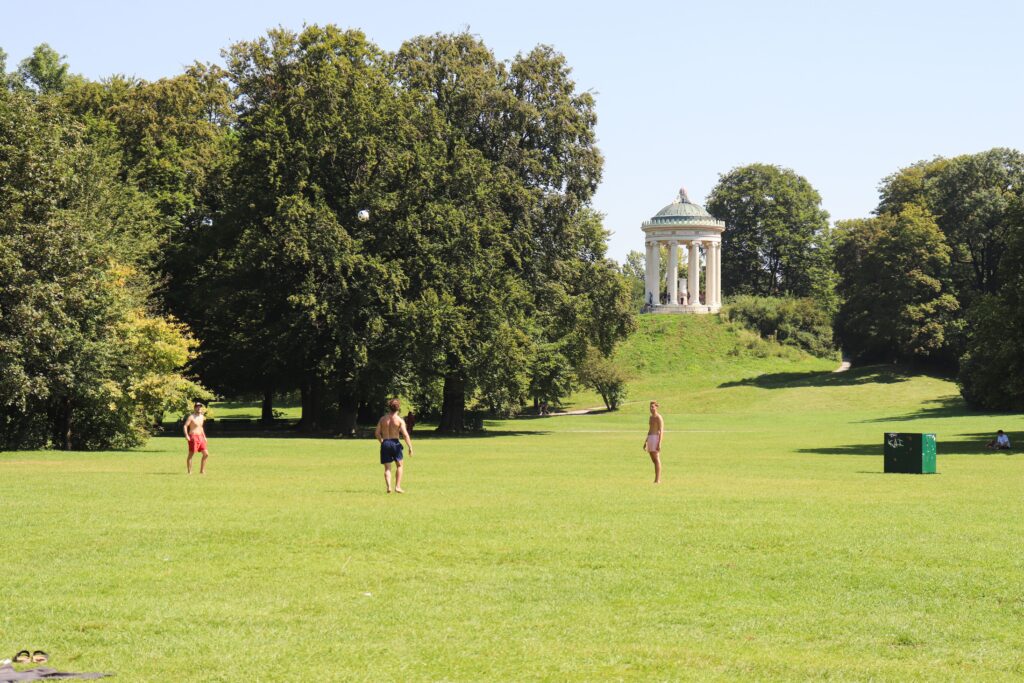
column 683, row 211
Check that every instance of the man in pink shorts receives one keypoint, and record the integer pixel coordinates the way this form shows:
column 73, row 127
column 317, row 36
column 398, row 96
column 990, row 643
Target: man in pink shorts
column 652, row 444
column 196, row 438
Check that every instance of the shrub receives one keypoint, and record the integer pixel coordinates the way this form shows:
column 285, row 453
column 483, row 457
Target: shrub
column 602, row 375
column 801, row 323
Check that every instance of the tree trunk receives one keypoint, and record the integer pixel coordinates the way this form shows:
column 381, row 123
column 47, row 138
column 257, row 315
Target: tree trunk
column 312, row 404
column 453, row 407
column 267, row 416
column 348, row 411
column 64, row 424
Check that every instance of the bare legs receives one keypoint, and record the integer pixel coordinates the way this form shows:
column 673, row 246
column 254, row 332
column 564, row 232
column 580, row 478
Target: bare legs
column 202, row 463
column 656, row 459
column 398, row 476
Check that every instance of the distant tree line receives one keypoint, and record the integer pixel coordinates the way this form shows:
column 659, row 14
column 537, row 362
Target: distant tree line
column 934, row 277
column 202, row 231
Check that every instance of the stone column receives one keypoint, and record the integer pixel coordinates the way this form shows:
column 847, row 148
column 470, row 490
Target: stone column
column 693, row 273
column 655, row 272
column 673, row 272
column 718, row 273
column 709, row 250
column 649, row 281
column 709, row 272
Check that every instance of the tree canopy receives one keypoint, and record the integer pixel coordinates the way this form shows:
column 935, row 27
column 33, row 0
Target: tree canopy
column 232, row 195
column 776, row 241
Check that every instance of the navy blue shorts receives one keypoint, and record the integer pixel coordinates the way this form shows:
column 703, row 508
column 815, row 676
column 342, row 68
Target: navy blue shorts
column 390, row 451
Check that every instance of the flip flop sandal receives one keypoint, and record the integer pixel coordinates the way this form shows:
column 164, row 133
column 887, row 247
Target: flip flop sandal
column 40, row 657
column 22, row 657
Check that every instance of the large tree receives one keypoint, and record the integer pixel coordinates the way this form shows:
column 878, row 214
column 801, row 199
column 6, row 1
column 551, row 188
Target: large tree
column 518, row 247
column 84, row 362
column 893, row 281
column 305, row 287
column 992, row 368
column 775, row 241
column 973, row 198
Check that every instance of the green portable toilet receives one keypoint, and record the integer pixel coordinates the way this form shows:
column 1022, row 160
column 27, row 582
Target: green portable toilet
column 909, row 453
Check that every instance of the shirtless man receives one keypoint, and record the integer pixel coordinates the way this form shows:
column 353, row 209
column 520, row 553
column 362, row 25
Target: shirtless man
column 652, row 444
column 196, row 437
column 389, row 429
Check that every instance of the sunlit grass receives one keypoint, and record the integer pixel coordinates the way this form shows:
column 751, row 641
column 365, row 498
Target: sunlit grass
column 775, row 549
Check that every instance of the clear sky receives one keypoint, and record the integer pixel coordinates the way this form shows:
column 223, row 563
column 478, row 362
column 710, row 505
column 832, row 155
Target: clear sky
column 844, row 93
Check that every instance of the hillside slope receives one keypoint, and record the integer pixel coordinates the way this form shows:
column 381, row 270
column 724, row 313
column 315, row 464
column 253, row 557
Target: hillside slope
column 714, row 377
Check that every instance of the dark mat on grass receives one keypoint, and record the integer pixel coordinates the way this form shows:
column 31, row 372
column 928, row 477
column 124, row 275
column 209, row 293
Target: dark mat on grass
column 40, row 673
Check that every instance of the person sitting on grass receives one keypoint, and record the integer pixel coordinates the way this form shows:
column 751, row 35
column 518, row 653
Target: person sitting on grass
column 1000, row 443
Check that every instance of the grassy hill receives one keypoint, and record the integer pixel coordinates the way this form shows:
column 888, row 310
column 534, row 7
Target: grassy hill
column 774, row 550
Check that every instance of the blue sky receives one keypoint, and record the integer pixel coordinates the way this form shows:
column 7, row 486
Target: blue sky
column 843, row 92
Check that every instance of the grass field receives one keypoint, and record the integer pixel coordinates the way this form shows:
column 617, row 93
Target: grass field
column 774, row 550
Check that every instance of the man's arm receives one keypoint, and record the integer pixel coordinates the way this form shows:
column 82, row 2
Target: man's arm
column 661, row 430
column 376, row 433
column 405, row 435
column 188, row 421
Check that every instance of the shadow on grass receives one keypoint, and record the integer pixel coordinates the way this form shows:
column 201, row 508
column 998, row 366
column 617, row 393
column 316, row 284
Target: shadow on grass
column 967, row 444
column 584, row 413
column 870, row 374
column 363, row 434
column 947, row 406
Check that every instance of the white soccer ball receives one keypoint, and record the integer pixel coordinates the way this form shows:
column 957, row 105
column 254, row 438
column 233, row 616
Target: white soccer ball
column 364, row 215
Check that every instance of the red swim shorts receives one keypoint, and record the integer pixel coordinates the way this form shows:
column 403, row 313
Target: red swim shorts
column 196, row 443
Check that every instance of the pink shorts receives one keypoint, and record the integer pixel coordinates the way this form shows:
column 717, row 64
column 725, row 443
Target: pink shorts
column 196, row 443
column 653, row 443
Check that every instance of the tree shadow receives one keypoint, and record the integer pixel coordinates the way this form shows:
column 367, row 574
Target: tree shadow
column 362, row 435
column 946, row 406
column 870, row 374
column 965, row 444
column 588, row 411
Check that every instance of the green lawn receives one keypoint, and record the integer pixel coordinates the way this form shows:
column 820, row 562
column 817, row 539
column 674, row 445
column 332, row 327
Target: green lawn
column 775, row 549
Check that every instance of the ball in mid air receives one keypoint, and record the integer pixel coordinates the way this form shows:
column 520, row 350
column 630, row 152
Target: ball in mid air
column 364, row 215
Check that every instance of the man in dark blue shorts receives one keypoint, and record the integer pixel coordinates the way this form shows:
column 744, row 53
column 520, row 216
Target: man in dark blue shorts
column 389, row 429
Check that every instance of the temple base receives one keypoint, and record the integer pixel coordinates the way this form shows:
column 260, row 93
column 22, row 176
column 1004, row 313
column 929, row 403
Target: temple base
column 679, row 308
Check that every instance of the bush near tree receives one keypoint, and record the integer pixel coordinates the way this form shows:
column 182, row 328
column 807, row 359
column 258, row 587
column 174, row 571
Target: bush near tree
column 603, row 376
column 799, row 322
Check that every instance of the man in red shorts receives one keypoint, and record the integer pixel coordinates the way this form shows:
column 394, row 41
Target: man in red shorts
column 196, row 437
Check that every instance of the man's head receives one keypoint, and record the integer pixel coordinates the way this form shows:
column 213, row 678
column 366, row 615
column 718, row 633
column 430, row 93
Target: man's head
column 197, row 406
column 999, row 432
column 394, row 405
column 654, row 407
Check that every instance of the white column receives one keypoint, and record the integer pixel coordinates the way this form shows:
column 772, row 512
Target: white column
column 718, row 273
column 648, row 279
column 673, row 272
column 655, row 272
column 709, row 276
column 693, row 273
column 710, row 246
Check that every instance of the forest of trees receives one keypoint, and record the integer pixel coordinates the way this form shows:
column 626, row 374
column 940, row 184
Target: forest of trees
column 200, row 234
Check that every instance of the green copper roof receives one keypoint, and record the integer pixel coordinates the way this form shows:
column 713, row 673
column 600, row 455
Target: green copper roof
column 682, row 210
